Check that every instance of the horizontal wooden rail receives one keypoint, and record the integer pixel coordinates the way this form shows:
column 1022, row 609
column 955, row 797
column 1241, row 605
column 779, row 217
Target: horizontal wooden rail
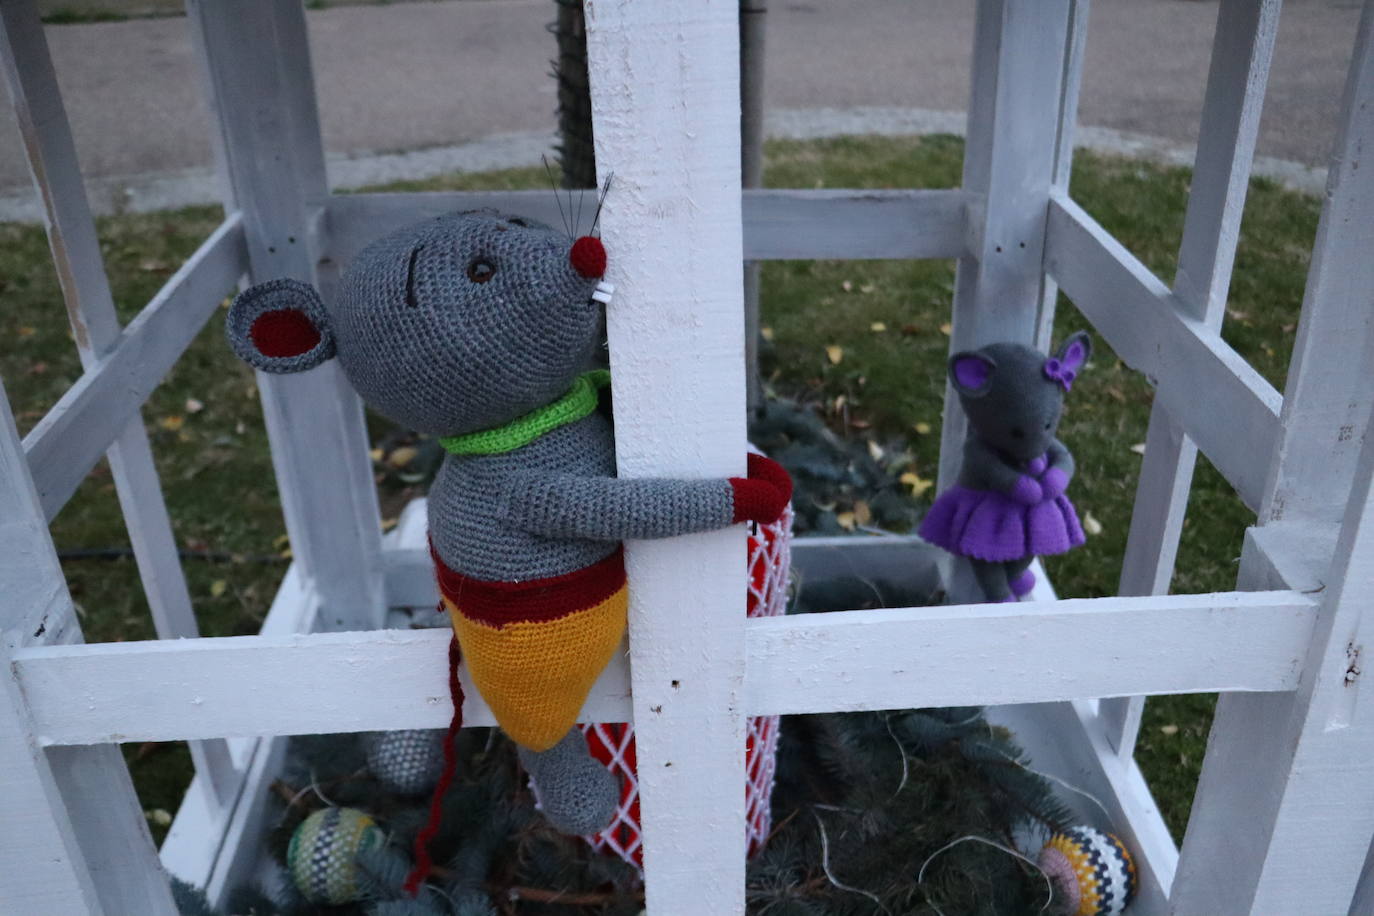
column 851, row 660
column 778, row 224
column 1226, row 406
column 64, row 446
column 1031, row 652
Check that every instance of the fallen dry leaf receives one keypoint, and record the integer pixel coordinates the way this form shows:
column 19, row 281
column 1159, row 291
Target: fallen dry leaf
column 875, row 451
column 174, row 422
column 846, row 520
column 847, row 286
column 834, row 354
column 916, row 482
column 922, row 428
column 194, row 406
column 766, row 333
column 1091, row 525
column 878, row 327
column 217, row 588
column 946, row 329
column 1168, row 729
column 402, row 456
column 862, row 514
column 1138, row 448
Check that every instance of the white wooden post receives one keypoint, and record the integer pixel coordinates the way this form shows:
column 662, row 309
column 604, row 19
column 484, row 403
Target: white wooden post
column 75, row 839
column 1283, row 814
column 665, row 103
column 1070, row 84
column 1241, row 51
column 257, row 64
column 1009, row 168
column 95, row 327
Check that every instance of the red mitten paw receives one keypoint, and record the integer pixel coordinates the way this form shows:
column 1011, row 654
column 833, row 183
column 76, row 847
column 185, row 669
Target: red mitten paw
column 756, row 501
column 769, row 471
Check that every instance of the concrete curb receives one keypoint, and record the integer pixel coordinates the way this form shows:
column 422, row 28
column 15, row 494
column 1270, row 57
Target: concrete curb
column 163, row 191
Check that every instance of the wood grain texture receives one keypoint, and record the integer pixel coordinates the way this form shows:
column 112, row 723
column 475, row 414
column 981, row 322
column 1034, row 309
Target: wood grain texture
column 1027, row 652
column 1282, row 820
column 665, row 106
column 1242, row 48
column 256, row 60
column 778, row 224
column 1218, row 398
column 1009, row 168
column 884, row 659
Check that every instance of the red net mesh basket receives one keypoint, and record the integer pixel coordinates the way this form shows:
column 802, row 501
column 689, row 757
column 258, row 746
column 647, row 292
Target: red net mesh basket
column 613, row 743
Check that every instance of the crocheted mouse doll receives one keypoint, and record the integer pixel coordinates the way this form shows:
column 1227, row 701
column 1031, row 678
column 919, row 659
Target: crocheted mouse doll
column 478, row 327
column 1008, row 506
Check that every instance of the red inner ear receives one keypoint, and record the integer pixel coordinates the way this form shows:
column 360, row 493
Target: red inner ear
column 283, row 333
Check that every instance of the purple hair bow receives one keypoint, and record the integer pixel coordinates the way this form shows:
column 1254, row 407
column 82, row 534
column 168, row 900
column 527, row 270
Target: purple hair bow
column 1058, row 372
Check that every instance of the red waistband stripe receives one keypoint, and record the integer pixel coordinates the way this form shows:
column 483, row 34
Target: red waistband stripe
column 536, row 600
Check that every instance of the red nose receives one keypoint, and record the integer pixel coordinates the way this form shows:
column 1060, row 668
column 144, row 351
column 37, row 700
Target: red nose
column 588, row 257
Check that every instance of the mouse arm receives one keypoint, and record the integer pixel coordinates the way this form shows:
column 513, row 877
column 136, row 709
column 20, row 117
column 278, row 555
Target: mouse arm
column 613, row 508
column 1060, row 471
column 984, row 469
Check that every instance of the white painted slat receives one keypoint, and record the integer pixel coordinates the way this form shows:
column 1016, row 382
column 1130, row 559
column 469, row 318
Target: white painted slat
column 1028, row 652
column 673, row 230
column 41, row 863
column 302, row 683
column 76, row 841
column 95, row 327
column 1009, row 167
column 1216, row 396
column 37, row 608
column 1241, row 51
column 882, row 659
column 64, row 445
column 1066, row 127
column 255, row 54
column 1283, row 816
column 778, row 224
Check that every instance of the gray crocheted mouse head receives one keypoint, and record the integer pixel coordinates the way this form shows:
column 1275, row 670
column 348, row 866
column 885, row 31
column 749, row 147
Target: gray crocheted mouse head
column 456, row 324
column 1013, row 394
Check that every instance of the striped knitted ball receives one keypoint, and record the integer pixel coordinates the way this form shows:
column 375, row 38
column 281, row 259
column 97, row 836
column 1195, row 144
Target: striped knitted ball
column 321, row 857
column 406, row 762
column 1092, row 870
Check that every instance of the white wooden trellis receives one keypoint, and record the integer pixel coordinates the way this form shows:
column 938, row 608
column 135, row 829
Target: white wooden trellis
column 1284, row 815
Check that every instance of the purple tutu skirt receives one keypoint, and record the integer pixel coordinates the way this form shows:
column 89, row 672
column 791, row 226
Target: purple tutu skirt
column 991, row 526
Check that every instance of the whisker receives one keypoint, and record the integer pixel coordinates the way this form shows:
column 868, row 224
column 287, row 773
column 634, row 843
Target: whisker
column 605, row 189
column 548, row 169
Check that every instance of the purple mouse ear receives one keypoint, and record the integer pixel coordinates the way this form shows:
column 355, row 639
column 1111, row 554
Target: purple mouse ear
column 971, row 373
column 1074, row 352
column 1064, row 366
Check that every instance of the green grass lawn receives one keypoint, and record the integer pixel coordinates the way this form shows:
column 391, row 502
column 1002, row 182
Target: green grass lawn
column 886, row 319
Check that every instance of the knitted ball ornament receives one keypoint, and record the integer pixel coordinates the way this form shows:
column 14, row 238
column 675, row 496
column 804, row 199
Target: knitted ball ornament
column 1092, row 870
column 406, row 762
column 322, row 856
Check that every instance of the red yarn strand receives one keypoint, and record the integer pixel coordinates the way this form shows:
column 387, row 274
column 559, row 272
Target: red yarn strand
column 423, row 862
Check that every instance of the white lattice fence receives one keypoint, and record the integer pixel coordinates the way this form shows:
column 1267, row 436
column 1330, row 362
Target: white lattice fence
column 1283, row 819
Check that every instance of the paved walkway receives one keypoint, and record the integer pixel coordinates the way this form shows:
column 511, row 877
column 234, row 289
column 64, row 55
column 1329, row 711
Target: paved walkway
column 462, row 82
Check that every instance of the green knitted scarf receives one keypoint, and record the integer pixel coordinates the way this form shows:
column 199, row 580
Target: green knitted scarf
column 580, row 401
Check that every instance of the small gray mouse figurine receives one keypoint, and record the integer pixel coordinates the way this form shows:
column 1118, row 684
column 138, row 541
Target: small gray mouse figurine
column 1008, row 506
column 478, row 327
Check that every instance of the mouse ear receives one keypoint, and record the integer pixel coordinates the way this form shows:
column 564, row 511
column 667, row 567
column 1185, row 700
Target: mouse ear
column 280, row 326
column 971, row 373
column 1075, row 350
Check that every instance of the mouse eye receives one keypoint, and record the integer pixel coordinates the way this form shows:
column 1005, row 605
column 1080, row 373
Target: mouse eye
column 1047, row 424
column 1018, row 433
column 481, row 270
